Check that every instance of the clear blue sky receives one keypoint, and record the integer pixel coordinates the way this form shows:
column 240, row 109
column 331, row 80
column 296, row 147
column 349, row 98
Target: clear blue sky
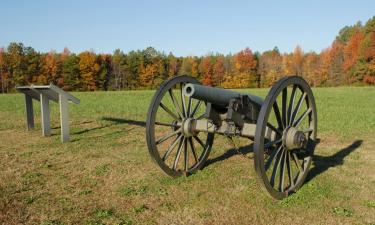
column 189, row 27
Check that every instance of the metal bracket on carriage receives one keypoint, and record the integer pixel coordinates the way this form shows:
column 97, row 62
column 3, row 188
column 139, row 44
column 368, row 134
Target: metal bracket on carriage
column 228, row 128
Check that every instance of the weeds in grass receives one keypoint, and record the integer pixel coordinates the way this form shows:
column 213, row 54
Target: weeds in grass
column 343, row 211
column 85, row 192
column 140, row 208
column 103, row 213
column 102, row 169
column 52, row 222
column 370, row 203
column 167, row 205
column 30, row 199
column 132, row 191
column 26, row 154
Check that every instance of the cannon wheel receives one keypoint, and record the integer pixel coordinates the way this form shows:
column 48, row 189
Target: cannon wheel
column 282, row 163
column 176, row 151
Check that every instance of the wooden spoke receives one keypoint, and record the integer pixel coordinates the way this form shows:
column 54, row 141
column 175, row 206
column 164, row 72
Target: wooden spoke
column 296, row 161
column 201, row 116
column 276, row 167
column 200, row 142
column 171, row 147
column 178, row 153
column 277, row 114
column 296, row 109
column 291, row 104
column 195, row 108
column 272, row 127
column 271, row 143
column 183, row 100
column 175, row 103
column 164, row 138
column 189, row 107
column 308, row 130
column 283, row 105
column 299, row 120
column 186, row 154
column 290, row 172
column 282, row 172
column 167, row 124
column 193, row 150
column 271, row 157
column 169, row 111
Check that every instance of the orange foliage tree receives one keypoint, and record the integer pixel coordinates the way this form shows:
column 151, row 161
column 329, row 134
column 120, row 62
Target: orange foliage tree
column 89, row 69
column 206, row 70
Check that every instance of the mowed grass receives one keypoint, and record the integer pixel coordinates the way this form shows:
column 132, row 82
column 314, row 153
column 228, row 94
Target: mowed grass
column 106, row 176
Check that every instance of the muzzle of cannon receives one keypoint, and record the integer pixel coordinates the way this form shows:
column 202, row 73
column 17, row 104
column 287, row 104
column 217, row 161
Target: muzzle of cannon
column 184, row 117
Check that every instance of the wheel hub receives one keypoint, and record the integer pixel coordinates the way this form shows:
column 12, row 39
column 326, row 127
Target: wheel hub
column 293, row 138
column 186, row 127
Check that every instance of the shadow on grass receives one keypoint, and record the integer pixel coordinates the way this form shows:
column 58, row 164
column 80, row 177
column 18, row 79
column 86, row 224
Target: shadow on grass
column 323, row 163
column 231, row 152
column 115, row 121
column 81, row 123
column 124, row 121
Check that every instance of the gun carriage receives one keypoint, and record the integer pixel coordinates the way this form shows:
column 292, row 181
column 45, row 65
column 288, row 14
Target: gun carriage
column 184, row 117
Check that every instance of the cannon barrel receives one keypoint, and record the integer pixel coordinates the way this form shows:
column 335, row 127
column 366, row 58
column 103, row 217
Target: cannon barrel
column 216, row 96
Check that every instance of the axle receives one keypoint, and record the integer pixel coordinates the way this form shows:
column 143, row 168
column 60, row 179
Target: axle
column 191, row 127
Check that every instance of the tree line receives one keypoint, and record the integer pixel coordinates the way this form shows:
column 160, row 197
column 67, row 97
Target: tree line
column 350, row 60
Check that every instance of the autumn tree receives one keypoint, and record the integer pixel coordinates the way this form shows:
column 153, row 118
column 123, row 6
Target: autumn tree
column 16, row 64
column 172, row 65
column 153, row 68
column 310, row 68
column 33, row 65
column 245, row 71
column 71, row 72
column 270, row 67
column 336, row 71
column 104, row 76
column 218, row 71
column 367, row 53
column 206, row 70
column 89, row 69
column 324, row 66
column 51, row 69
column 134, row 65
column 297, row 60
column 351, row 57
column 2, row 69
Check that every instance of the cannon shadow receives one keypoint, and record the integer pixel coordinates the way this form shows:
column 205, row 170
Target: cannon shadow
column 115, row 121
column 323, row 163
column 230, row 153
column 124, row 121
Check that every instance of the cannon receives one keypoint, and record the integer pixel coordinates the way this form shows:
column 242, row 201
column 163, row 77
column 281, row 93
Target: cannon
column 184, row 117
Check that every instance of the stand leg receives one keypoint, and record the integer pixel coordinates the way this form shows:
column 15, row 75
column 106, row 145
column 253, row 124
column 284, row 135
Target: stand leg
column 29, row 112
column 64, row 119
column 46, row 121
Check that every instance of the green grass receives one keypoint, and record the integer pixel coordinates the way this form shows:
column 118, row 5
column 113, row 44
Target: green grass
column 105, row 175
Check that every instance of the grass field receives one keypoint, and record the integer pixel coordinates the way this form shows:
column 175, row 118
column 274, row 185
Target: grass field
column 105, row 175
